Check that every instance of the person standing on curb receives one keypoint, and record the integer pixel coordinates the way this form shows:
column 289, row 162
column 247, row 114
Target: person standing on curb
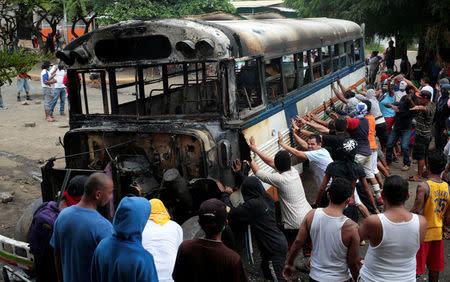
column 395, row 236
column 2, row 107
column 59, row 89
column 22, row 84
column 432, row 199
column 46, row 82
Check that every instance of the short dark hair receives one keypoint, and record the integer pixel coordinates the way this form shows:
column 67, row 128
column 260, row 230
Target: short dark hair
column 315, row 136
column 282, row 161
column 349, row 94
column 437, row 162
column 426, row 79
column 340, row 124
column 95, row 181
column 395, row 190
column 340, row 190
column 368, row 104
column 408, row 88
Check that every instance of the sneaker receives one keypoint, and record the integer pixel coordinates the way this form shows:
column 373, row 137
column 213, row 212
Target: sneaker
column 405, row 168
column 18, row 98
column 62, row 113
column 28, row 98
column 379, row 201
column 3, row 107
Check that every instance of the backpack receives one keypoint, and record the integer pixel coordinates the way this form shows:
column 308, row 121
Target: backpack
column 41, row 229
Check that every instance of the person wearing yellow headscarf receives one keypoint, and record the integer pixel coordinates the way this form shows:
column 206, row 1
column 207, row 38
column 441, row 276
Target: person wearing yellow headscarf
column 159, row 213
column 161, row 238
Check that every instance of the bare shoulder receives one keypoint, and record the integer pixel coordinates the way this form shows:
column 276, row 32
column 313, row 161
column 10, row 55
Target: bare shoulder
column 372, row 220
column 422, row 221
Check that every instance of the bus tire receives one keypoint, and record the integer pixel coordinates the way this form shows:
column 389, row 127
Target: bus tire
column 191, row 229
column 23, row 225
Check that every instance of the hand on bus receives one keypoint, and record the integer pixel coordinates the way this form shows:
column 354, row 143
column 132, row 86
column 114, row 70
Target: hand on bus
column 334, row 116
column 251, row 143
column 294, row 125
column 280, row 138
column 236, row 166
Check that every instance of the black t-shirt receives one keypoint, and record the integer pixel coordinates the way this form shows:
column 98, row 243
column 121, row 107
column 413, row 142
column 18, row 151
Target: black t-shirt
column 201, row 260
column 349, row 170
column 403, row 118
column 417, row 72
column 332, row 141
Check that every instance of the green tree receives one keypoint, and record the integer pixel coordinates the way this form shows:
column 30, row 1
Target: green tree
column 405, row 19
column 145, row 9
column 16, row 61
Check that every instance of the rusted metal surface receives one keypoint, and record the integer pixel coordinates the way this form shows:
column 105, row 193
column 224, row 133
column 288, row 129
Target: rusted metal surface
column 226, row 39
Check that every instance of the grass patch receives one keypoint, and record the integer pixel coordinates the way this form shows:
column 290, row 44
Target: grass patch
column 369, row 47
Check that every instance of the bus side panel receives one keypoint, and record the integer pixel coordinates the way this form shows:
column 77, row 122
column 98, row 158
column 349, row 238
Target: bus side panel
column 315, row 100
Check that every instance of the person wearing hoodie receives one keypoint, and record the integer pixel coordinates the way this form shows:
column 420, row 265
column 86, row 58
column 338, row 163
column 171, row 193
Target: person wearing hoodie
column 121, row 257
column 381, row 129
column 258, row 210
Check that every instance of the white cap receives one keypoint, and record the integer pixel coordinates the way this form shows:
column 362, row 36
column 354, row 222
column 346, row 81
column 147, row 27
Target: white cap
column 403, row 85
column 428, row 88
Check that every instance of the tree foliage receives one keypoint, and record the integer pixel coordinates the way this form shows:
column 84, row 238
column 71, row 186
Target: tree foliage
column 405, row 19
column 145, row 9
column 16, row 61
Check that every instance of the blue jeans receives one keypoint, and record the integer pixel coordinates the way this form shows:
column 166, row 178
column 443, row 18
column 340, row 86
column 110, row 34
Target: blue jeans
column 396, row 133
column 61, row 94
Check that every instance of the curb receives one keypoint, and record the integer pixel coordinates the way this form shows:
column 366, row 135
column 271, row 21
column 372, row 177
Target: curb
column 38, row 77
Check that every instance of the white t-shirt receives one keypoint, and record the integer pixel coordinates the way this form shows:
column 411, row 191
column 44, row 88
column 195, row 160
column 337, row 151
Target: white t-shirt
column 351, row 106
column 293, row 203
column 319, row 160
column 162, row 241
column 447, row 152
column 59, row 76
column 45, row 75
column 398, row 95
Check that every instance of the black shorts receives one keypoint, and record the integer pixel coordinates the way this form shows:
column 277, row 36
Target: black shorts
column 381, row 131
column 420, row 149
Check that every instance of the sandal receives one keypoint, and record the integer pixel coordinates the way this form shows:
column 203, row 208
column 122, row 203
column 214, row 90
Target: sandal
column 414, row 179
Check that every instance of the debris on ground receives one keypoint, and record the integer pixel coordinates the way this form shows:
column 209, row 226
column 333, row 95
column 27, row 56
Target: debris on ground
column 37, row 102
column 30, row 124
column 6, row 197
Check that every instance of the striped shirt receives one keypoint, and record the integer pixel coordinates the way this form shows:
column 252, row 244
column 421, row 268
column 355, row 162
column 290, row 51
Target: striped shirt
column 294, row 205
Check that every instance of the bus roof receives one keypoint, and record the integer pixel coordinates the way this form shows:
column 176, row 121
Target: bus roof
column 186, row 40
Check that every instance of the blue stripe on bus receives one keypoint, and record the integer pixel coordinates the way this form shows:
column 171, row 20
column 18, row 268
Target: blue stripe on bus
column 292, row 99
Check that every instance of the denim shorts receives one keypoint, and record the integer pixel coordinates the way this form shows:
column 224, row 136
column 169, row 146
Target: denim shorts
column 48, row 97
column 22, row 83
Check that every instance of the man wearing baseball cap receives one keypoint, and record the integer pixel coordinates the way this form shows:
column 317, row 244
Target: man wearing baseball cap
column 425, row 115
column 208, row 259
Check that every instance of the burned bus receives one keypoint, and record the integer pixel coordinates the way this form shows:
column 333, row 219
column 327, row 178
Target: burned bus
column 195, row 91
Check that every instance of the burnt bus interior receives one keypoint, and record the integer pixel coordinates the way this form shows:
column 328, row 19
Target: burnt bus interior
column 158, row 135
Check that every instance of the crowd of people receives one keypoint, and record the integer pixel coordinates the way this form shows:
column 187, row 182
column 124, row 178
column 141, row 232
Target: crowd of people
column 350, row 158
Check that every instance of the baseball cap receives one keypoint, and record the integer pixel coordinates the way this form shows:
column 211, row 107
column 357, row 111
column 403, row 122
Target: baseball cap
column 76, row 185
column 403, row 85
column 46, row 64
column 443, row 81
column 212, row 216
column 445, row 86
column 384, row 77
column 428, row 88
column 424, row 94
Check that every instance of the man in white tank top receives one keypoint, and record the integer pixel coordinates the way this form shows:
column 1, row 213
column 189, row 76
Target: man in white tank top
column 395, row 237
column 335, row 239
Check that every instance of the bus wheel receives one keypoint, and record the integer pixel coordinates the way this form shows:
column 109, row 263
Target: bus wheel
column 24, row 223
column 191, row 229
